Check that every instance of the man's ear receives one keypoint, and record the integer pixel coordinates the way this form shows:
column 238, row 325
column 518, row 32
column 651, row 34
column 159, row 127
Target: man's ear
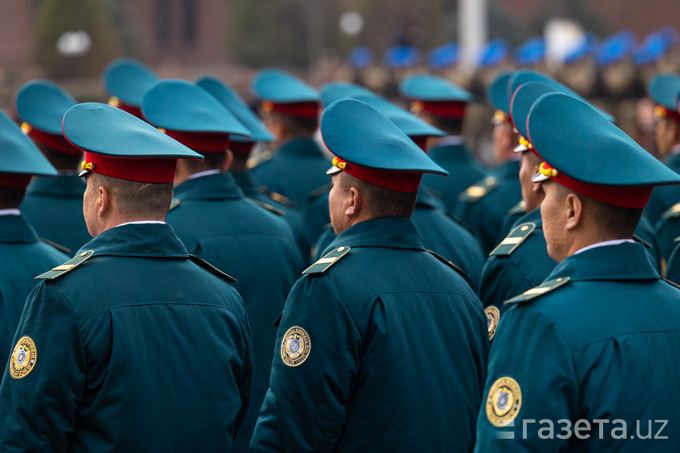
column 574, row 206
column 354, row 201
column 104, row 201
column 228, row 161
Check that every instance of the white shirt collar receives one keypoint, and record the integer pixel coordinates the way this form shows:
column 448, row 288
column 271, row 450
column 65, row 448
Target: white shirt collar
column 12, row 211
column 140, row 222
column 604, row 244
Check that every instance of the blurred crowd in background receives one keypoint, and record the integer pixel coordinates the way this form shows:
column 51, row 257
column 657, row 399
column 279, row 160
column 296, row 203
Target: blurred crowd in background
column 605, row 51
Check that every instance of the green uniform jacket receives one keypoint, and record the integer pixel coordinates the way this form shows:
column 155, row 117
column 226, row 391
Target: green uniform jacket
column 663, row 197
column 54, row 207
column 295, row 169
column 253, row 245
column 600, row 345
column 138, row 349
column 463, row 172
column 485, row 215
column 384, row 351
column 251, row 189
column 507, row 275
column 23, row 257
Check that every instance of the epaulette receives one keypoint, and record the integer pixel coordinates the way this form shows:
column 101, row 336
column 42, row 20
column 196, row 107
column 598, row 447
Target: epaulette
column 59, row 247
column 67, row 266
column 672, row 283
column 519, row 208
column 326, row 261
column 268, row 207
column 539, row 290
column 261, row 158
column 464, row 274
column 514, row 239
column 210, row 268
column 672, row 212
column 277, row 197
column 316, row 193
column 476, row 191
column 174, row 203
column 642, row 241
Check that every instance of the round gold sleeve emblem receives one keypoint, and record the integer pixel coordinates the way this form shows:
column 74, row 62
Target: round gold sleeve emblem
column 23, row 358
column 295, row 346
column 504, row 401
column 493, row 315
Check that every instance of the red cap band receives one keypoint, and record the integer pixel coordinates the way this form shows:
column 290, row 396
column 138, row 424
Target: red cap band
column 243, row 148
column 635, row 197
column 400, row 181
column 299, row 109
column 55, row 142
column 446, row 109
column 16, row 180
column 210, row 142
column 161, row 170
column 661, row 111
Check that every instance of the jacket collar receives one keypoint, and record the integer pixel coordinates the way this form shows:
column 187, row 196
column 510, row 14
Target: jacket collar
column 156, row 240
column 613, row 262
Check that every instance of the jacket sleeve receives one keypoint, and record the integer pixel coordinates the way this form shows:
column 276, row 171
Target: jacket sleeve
column 531, row 387
column 39, row 400
column 313, row 372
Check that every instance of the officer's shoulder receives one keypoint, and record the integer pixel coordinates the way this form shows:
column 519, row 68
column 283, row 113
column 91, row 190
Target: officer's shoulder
column 258, row 160
column 672, row 212
column 53, row 244
column 316, row 193
column 210, row 268
column 325, row 262
column 514, row 239
column 464, row 274
column 268, row 207
column 478, row 190
column 538, row 291
column 68, row 266
column 642, row 241
column 519, row 208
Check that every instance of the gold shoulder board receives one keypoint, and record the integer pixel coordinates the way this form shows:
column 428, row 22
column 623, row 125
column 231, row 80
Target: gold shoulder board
column 268, row 207
column 174, row 203
column 327, row 261
column 672, row 212
column 465, row 275
column 478, row 190
column 543, row 288
column 67, row 266
column 261, row 158
column 514, row 239
column 210, row 268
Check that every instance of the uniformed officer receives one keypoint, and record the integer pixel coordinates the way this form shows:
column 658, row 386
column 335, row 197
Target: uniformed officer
column 381, row 345
column 132, row 345
column 439, row 231
column 520, row 261
column 216, row 222
column 484, row 205
column 241, row 148
column 443, row 105
column 504, row 137
column 52, row 205
column 126, row 81
column 579, row 377
column 664, row 90
column 290, row 109
column 23, row 254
